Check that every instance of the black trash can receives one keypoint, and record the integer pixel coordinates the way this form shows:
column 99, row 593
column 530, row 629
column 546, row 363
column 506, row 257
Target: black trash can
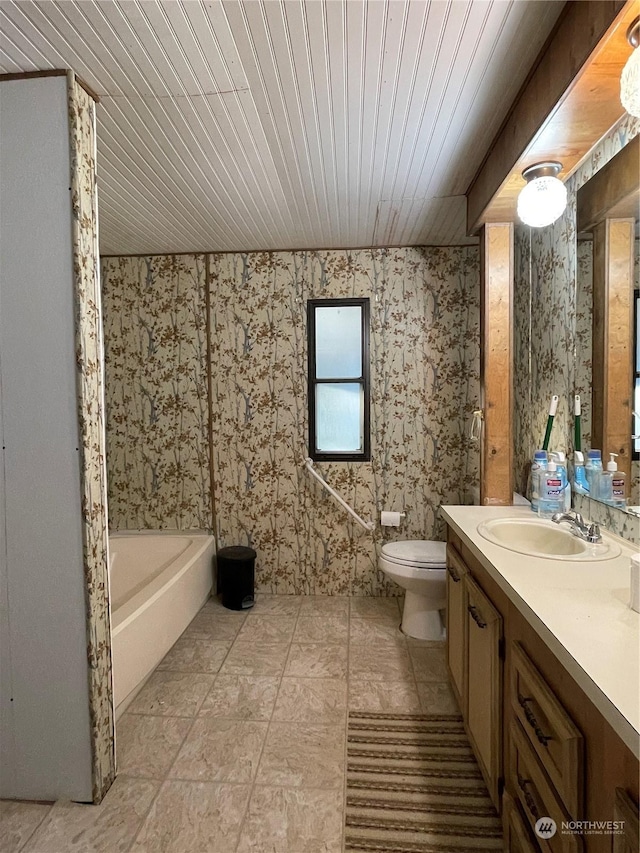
column 236, row 573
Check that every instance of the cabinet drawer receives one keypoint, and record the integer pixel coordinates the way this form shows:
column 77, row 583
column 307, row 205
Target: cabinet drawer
column 537, row 798
column 457, row 626
column 484, row 685
column 550, row 730
column 516, row 834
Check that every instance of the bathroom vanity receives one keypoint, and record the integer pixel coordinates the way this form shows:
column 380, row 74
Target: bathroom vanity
column 544, row 658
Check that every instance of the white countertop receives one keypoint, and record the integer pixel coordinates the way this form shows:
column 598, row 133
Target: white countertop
column 579, row 609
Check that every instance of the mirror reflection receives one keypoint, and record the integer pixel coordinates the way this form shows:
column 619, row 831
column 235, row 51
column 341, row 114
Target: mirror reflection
column 607, row 266
column 561, row 345
column 627, row 460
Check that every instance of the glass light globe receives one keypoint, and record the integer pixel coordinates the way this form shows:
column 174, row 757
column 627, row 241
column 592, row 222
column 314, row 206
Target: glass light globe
column 630, row 84
column 542, row 201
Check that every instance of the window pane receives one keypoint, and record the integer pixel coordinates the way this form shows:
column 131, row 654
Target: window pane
column 637, row 335
column 636, row 416
column 339, row 417
column 339, row 342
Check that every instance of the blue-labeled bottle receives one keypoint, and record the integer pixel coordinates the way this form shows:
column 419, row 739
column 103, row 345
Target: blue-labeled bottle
column 593, row 470
column 551, row 492
column 538, row 466
column 561, row 467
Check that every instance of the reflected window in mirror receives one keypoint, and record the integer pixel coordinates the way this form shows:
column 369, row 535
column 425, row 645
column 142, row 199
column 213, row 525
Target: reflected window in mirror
column 636, row 393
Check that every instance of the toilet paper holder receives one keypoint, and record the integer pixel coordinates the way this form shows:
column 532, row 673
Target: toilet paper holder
column 391, row 519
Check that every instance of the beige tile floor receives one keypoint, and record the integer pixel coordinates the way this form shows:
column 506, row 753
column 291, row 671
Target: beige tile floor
column 237, row 742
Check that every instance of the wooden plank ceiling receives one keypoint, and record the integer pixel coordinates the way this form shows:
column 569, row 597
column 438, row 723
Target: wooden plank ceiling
column 275, row 124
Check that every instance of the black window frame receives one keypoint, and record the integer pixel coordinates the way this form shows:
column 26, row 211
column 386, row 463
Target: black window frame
column 313, row 381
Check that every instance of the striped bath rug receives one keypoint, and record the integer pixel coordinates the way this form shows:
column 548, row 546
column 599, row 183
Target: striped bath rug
column 413, row 786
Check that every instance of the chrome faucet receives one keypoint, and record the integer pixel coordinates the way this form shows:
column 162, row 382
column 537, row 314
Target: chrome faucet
column 579, row 527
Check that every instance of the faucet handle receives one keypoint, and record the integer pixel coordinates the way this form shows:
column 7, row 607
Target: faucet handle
column 593, row 534
column 579, row 519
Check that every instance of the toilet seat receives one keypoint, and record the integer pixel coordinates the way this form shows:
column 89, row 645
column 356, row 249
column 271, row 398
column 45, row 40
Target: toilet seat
column 420, row 553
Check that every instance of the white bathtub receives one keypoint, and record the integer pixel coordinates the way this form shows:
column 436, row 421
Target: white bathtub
column 158, row 582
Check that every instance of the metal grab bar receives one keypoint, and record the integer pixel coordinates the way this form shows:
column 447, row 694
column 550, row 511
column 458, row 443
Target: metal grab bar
column 368, row 525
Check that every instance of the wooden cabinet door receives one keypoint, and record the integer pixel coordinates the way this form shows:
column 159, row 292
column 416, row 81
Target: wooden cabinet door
column 625, row 812
column 457, row 626
column 484, row 685
column 516, row 834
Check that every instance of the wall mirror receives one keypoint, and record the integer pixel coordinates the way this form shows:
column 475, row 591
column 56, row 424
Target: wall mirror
column 607, row 267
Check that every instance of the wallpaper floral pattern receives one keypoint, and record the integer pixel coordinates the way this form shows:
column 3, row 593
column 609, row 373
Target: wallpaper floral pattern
column 624, row 524
column 553, row 322
column 155, row 312
column 424, row 387
column 425, row 384
column 89, row 361
column 544, row 344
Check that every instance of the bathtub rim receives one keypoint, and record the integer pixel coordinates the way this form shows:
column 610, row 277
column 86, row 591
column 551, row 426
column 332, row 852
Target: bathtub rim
column 122, row 616
column 153, row 620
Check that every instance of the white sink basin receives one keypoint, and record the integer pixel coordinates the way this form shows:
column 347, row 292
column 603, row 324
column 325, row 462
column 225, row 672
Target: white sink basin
column 539, row 538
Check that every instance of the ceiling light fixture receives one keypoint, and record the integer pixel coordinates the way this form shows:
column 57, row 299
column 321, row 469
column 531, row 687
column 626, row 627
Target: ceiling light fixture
column 630, row 79
column 544, row 198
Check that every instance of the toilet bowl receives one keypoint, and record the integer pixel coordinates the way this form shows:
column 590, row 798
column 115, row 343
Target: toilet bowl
column 419, row 566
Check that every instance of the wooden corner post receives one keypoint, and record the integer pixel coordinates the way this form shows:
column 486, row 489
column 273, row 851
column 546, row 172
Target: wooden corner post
column 496, row 363
column 613, row 338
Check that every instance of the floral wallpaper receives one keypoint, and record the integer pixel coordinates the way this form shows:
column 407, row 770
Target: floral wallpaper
column 552, row 308
column 425, row 384
column 424, row 387
column 155, row 312
column 89, row 361
column 625, row 524
column 544, row 338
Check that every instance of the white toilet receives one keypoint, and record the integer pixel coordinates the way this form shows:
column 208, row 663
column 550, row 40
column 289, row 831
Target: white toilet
column 419, row 565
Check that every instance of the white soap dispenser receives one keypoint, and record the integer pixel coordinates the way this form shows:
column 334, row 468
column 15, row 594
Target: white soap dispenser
column 551, row 492
column 612, row 484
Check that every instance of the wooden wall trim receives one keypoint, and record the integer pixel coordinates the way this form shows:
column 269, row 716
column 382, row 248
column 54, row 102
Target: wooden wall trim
column 54, row 72
column 291, row 250
column 31, row 75
column 610, row 187
column 87, row 89
column 578, row 33
column 212, row 473
column 613, row 247
column 496, row 318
